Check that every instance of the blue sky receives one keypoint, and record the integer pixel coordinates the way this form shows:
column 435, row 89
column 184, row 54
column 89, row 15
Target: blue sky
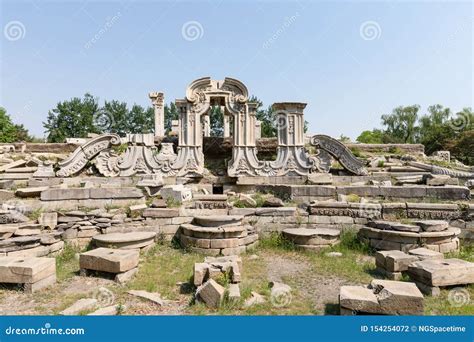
column 350, row 61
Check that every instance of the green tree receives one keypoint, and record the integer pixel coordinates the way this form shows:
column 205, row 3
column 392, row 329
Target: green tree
column 401, row 124
column 171, row 113
column 141, row 120
column 74, row 118
column 113, row 118
column 374, row 136
column 434, row 130
column 216, row 118
column 266, row 117
column 462, row 147
column 10, row 132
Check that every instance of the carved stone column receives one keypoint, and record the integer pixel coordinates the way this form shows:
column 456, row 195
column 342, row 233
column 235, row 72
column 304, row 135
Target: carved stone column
column 206, row 131
column 258, row 129
column 226, row 126
column 157, row 99
column 291, row 155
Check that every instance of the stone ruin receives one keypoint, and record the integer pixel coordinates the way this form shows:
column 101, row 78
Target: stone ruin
column 121, row 194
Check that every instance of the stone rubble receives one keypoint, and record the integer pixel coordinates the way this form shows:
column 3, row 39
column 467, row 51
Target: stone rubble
column 381, row 297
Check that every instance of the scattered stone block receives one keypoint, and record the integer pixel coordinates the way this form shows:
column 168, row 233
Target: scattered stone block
column 382, row 297
column 106, row 311
column 211, row 293
column 442, row 272
column 398, row 297
column 247, row 200
column 30, row 192
column 6, row 231
column 151, row 296
column 441, row 180
column 358, row 299
column 33, row 273
column 394, row 261
column 161, row 212
column 81, row 305
column 234, row 292
column 125, row 277
column 425, row 253
column 433, row 225
column 48, row 219
column 109, row 260
column 273, row 202
column 178, row 193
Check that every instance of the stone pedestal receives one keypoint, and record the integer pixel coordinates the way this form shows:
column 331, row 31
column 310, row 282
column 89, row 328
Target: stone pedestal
column 33, row 273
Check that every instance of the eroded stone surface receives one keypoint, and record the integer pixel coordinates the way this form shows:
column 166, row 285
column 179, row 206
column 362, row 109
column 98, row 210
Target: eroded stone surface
column 125, row 240
column 109, row 260
column 442, row 272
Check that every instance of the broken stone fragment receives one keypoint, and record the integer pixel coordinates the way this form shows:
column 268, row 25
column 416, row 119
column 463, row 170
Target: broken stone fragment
column 211, row 293
column 151, row 296
column 398, row 297
column 255, row 299
column 234, row 292
column 81, row 305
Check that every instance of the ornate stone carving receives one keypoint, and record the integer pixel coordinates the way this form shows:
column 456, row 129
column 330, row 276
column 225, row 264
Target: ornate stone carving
column 84, row 153
column 340, row 152
column 320, row 161
column 143, row 160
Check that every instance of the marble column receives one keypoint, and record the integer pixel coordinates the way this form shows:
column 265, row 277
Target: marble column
column 157, row 99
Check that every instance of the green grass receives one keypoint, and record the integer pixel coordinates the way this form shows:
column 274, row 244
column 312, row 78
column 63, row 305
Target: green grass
column 66, row 263
column 162, row 268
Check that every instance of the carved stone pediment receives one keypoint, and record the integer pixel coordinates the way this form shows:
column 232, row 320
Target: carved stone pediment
column 84, row 153
column 340, row 152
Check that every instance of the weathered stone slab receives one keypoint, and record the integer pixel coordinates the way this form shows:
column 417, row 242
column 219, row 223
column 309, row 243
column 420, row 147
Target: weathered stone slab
column 425, row 253
column 109, row 260
column 432, row 225
column 151, row 296
column 30, row 192
column 65, row 194
column 7, row 230
column 131, row 240
column 242, row 211
column 26, row 270
column 394, row 261
column 217, row 220
column 81, row 305
column 284, row 211
column 312, row 236
column 358, row 299
column 398, row 297
column 17, row 163
column 115, row 193
column 161, row 212
column 48, row 219
column 442, row 272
